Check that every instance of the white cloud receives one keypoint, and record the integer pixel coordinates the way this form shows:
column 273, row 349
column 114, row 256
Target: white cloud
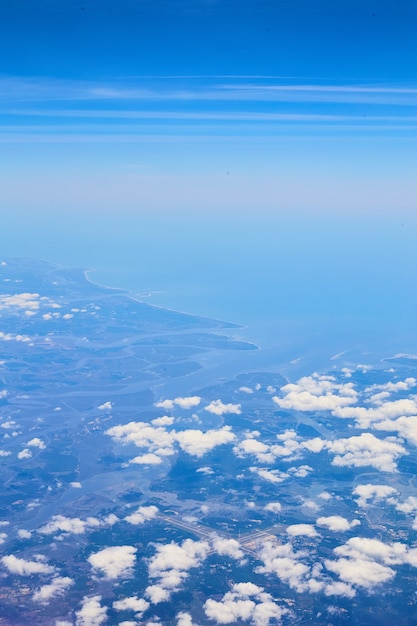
column 69, row 525
column 11, row 337
column 273, row 507
column 163, row 421
column 184, row 619
column 188, row 402
column 147, row 459
column 170, row 565
column 246, row 389
column 207, row 471
column 3, row 537
column 26, row 568
column 316, row 393
column 142, row 515
column 24, row 534
column 114, row 562
column 91, row 612
column 375, row 493
column 18, row 301
column 246, row 601
column 366, row 450
column 272, row 476
column 198, row 443
column 24, row 454
column 106, row 406
column 337, row 523
column 57, row 587
column 132, row 603
column 287, row 565
column 75, row 484
column 36, row 443
column 218, row 408
column 227, row 547
column 304, row 530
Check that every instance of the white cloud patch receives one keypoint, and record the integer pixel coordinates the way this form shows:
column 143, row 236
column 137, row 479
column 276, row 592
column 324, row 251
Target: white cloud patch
column 36, row 443
column 219, row 408
column 57, row 587
column 273, row 507
column 246, row 602
column 336, row 523
column 146, row 459
column 170, row 565
column 69, row 525
column 165, row 420
column 132, row 603
column 91, row 612
column 366, row 450
column 287, row 565
column 106, row 406
column 227, row 547
column 375, row 494
column 367, row 562
column 301, row 530
column 26, row 568
column 198, row 443
column 24, row 454
column 188, row 402
column 272, row 476
column 114, row 562
column 142, row 515
column 316, row 393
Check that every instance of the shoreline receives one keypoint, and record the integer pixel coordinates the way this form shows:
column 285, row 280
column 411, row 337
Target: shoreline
column 164, row 308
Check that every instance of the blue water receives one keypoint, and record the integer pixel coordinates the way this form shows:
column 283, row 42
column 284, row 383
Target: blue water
column 338, row 283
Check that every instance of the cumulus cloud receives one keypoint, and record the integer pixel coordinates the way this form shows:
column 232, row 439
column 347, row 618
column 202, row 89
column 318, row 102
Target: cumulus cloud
column 368, row 562
column 198, row 443
column 68, row 525
column 57, row 587
column 132, row 603
column 227, row 547
column 188, row 402
column 26, row 568
column 146, row 459
column 36, row 443
column 337, row 523
column 366, row 450
column 273, row 507
column 374, row 494
column 287, row 565
column 316, row 393
column 114, row 562
column 91, row 612
column 170, row 565
column 142, row 515
column 272, row 476
column 246, row 601
column 184, row 619
column 163, row 421
column 301, row 530
column 24, row 454
column 106, row 406
column 219, row 408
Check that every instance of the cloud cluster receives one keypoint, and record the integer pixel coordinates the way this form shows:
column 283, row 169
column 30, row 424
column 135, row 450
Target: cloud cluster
column 142, row 515
column 132, row 603
column 316, row 393
column 21, row 567
column 114, row 562
column 366, row 563
column 374, row 494
column 170, row 565
column 246, row 602
column 69, row 525
column 91, row 612
column 336, row 523
column 219, row 408
column 57, row 587
column 159, row 442
column 188, row 402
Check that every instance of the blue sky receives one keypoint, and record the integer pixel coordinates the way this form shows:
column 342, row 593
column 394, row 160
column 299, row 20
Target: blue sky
column 150, row 102
column 186, row 131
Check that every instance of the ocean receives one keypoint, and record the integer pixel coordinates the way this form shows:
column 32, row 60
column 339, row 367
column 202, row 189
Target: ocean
column 299, row 285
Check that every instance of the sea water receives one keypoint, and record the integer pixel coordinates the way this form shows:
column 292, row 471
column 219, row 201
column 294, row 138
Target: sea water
column 304, row 288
